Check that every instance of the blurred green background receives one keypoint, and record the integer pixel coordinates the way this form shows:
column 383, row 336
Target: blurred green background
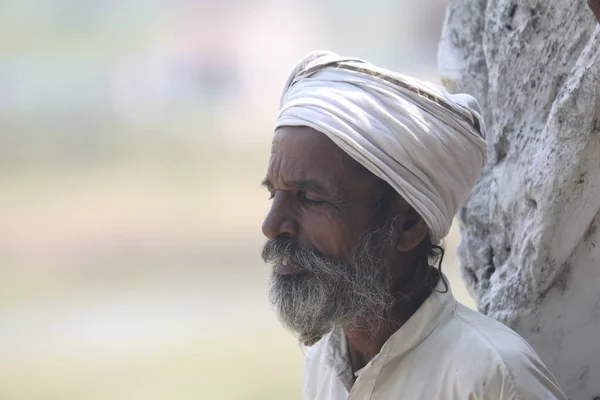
column 133, row 137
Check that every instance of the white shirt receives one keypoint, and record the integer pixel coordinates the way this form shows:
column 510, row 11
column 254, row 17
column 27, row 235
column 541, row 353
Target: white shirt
column 445, row 351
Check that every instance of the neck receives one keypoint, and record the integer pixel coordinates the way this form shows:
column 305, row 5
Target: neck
column 364, row 344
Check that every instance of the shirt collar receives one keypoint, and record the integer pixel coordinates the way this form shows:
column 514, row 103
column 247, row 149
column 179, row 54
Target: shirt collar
column 434, row 310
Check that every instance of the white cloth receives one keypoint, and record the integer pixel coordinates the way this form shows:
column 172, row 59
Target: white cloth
column 426, row 143
column 445, row 351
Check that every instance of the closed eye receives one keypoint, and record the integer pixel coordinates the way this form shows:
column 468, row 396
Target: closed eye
column 309, row 198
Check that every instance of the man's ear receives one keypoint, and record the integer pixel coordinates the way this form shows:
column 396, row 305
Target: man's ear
column 410, row 230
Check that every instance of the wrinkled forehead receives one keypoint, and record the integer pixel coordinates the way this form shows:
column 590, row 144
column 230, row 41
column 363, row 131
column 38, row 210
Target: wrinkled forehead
column 302, row 150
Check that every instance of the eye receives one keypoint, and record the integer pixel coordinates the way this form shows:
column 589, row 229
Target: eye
column 308, row 198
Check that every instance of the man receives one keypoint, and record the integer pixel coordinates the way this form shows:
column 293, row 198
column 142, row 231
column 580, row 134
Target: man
column 367, row 170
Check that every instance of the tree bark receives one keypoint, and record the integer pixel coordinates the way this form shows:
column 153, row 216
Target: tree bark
column 530, row 243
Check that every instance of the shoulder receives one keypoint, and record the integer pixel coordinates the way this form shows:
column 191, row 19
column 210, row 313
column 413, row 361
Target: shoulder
column 470, row 356
column 504, row 364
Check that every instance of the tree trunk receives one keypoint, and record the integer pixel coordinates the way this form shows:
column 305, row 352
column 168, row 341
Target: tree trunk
column 530, row 247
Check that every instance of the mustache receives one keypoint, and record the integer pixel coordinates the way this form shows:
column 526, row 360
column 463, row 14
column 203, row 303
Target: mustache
column 300, row 257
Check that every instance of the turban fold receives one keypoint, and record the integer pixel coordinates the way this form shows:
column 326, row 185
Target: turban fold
column 429, row 145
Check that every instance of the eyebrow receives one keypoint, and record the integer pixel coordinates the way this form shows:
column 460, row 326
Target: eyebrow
column 266, row 183
column 307, row 185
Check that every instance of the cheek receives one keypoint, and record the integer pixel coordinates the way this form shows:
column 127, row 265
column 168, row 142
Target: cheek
column 333, row 234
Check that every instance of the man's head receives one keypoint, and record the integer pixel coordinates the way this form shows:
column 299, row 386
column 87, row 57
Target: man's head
column 339, row 237
column 367, row 170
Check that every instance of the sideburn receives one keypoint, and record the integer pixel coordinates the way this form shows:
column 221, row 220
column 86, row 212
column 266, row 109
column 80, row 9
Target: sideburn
column 418, row 261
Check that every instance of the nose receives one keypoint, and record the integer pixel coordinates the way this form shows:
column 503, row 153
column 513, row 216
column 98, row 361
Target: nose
column 279, row 221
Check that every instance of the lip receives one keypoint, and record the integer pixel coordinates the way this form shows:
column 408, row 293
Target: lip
column 285, row 270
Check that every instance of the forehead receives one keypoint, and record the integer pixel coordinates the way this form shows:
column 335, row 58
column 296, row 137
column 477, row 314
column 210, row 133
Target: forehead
column 300, row 152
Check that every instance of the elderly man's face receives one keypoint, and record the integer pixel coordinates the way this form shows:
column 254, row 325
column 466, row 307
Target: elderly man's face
column 326, row 243
column 320, row 199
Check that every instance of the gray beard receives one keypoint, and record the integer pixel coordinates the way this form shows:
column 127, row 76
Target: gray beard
column 354, row 294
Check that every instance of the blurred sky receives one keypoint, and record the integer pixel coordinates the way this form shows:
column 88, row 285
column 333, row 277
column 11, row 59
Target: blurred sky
column 133, row 138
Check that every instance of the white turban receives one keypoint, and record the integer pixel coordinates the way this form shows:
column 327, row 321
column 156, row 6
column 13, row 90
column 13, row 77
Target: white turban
column 429, row 145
